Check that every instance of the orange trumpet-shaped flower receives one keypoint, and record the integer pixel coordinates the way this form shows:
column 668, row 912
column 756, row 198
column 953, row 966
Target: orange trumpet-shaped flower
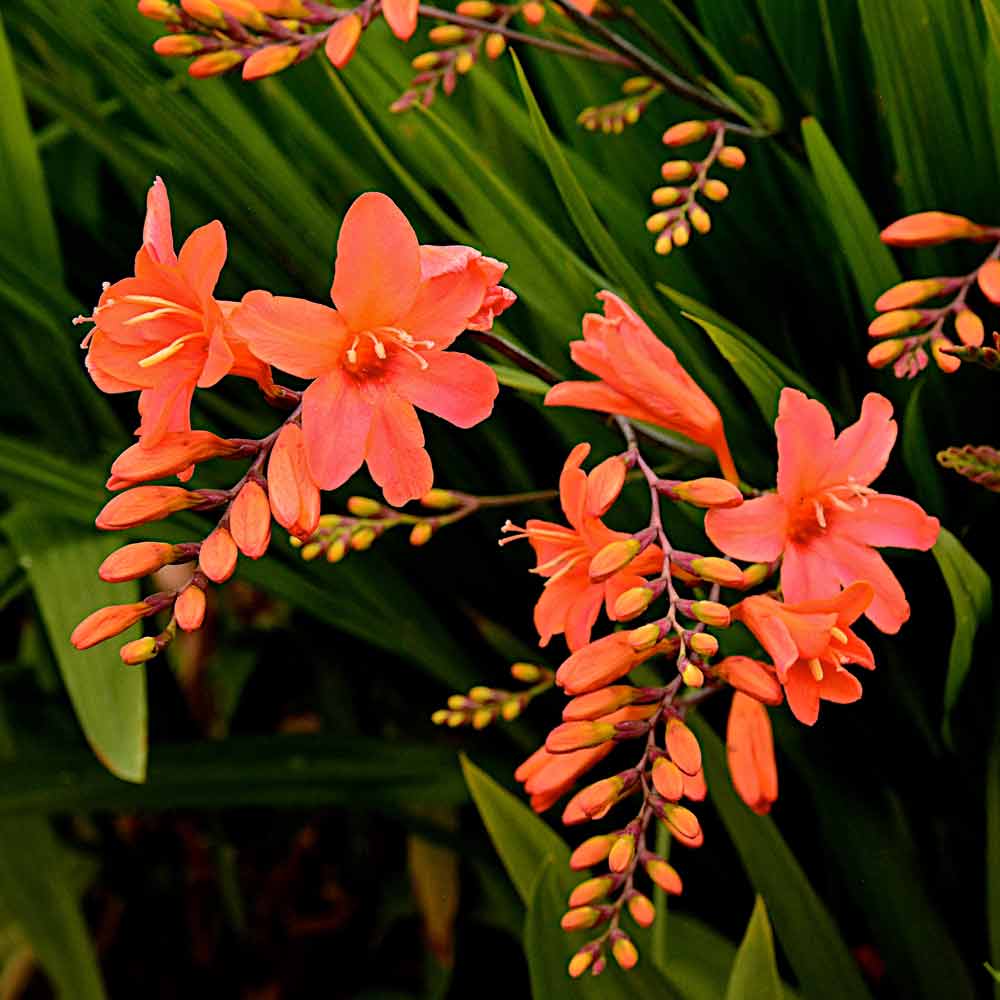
column 161, row 332
column 750, row 752
column 382, row 350
column 144, row 504
column 604, row 661
column 825, row 519
column 809, row 643
column 295, row 499
column 172, row 455
column 640, row 377
column 548, row 776
column 571, row 600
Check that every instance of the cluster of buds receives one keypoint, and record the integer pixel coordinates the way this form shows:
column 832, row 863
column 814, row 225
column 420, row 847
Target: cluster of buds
column 908, row 327
column 680, row 211
column 979, row 464
column 639, row 91
column 484, row 705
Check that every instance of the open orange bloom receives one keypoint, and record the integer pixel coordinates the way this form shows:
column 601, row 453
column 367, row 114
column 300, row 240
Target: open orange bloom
column 640, row 377
column 809, row 643
column 382, row 350
column 161, row 332
column 825, row 518
column 571, row 601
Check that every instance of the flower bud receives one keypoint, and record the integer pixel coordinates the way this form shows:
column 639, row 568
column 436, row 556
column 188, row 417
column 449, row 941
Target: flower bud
column 624, row 951
column 750, row 754
column 178, row 45
column 659, row 221
column 596, row 800
column 632, row 603
column 526, row 673
column 144, row 504
column 601, row 702
column 642, row 910
column 911, row 293
column 897, row 321
column 692, row 675
column 448, row 34
column 989, row 280
column 364, row 507
column 711, row 613
column 107, row 622
column 665, row 876
column 700, row 219
column 138, row 651
column 927, row 229
column 269, row 60
column 684, row 133
column 969, row 328
column 622, row 853
column 716, row 190
column 218, row 555
column 664, row 245
column 704, row 644
column 176, row 452
column 708, row 492
column 534, row 13
column 755, row 574
column 440, row 717
column 717, row 570
column 421, row 533
column 464, row 61
column 439, row 500
column 570, row 736
column 604, row 485
column 495, row 45
column 683, row 824
column 336, row 551
column 676, row 170
column 580, row 919
column 695, row 787
column 681, row 234
column 665, row 196
column 613, row 558
column 342, row 40
column 948, row 363
column 246, row 12
column 668, row 779
column 250, row 520
column 189, row 608
column 732, row 157
column 215, row 63
column 478, row 9
column 580, row 962
column 159, row 10
column 136, row 560
column 592, row 851
column 637, row 84
column 591, row 891
column 425, row 61
column 683, row 747
column 644, row 637
column 205, row 11
column 885, row 353
column 362, row 539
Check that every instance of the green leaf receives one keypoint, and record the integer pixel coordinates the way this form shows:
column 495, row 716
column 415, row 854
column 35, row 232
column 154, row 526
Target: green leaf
column 755, row 972
column 37, row 892
column 868, row 258
column 991, row 10
column 972, row 601
column 993, row 856
column 25, row 213
column 109, row 698
column 917, row 454
column 515, row 378
column 808, row 935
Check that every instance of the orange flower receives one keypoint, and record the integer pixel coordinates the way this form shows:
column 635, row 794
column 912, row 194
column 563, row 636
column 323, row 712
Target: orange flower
column 825, row 519
column 571, row 600
column 172, row 455
column 809, row 643
column 750, row 752
column 604, row 661
column 382, row 350
column 640, row 377
column 162, row 332
column 548, row 776
column 144, row 504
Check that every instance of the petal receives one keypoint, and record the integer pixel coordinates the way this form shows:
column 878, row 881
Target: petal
column 302, row 338
column 840, row 686
column 219, row 361
column 395, row 454
column 166, row 407
column 554, row 604
column 573, row 485
column 862, row 450
column 802, row 692
column 889, row 608
column 455, row 387
column 807, row 573
column 582, row 615
column 805, row 444
column 755, row 530
column 595, row 396
column 852, row 602
column 115, row 367
column 157, row 235
column 402, row 17
column 377, row 273
column 202, row 257
column 773, row 635
column 889, row 520
column 336, row 419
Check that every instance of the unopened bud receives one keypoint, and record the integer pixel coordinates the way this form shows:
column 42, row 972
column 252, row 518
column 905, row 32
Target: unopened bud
column 475, row 8
column 580, row 919
column 755, row 574
column 700, row 219
column 704, row 644
column 534, row 13
column 659, row 221
column 885, row 353
column 644, row 636
column 665, row 876
column 311, row 551
column 664, row 245
column 911, row 293
column 362, row 539
column 495, row 45
column 189, row 608
column 482, row 717
column 136, row 560
column 143, row 504
column 592, row 851
column 421, row 533
column 632, row 603
column 989, row 280
column 711, row 613
column 178, row 45
column 969, row 328
column 637, row 84
column 692, row 676
column 622, row 853
column 681, row 234
column 218, row 555
column 665, row 196
column 570, row 736
column 668, row 779
column 602, row 702
column 684, row 133
column 336, row 551
column 527, row 673
column 948, row 363
column 439, row 499
column 624, row 951
column 159, row 10
column 896, row 321
column 683, row 824
column 591, row 891
column 752, row 678
column 927, row 229
column 205, row 11
column 716, row 570
column 464, row 62
column 580, row 962
column 425, row 61
column 683, row 747
column 440, row 717
column 510, row 709
column 364, row 507
column 138, row 651
column 642, row 910
column 732, row 157
column 215, row 63
column 676, row 170
column 246, row 12
column 708, row 492
column 269, row 60
column 342, row 40
column 594, row 801
column 107, row 622
column 716, row 190
column 448, row 34
column 613, row 558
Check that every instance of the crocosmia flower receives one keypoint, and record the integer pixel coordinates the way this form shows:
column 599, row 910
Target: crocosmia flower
column 381, row 351
column 809, row 643
column 571, row 601
column 825, row 520
column 162, row 332
column 640, row 377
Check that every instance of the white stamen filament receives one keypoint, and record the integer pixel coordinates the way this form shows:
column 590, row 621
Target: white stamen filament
column 352, row 352
column 820, row 513
column 838, row 634
column 379, row 346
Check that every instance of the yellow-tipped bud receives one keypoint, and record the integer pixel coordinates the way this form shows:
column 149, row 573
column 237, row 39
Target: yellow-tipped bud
column 178, row 45
column 456, row 701
column 592, row 851
column 362, row 539
column 570, row 736
column 447, row 34
column 632, row 603
column 440, row 717
column 269, row 60
column 755, row 574
column 482, row 717
column 885, row 353
column 246, row 12
column 336, row 551
column 644, row 636
column 681, row 234
column 580, row 919
column 475, row 8
column 464, row 62
column 364, row 507
column 732, row 157
column 456, row 719
column 311, row 551
column 510, row 709
column 215, row 63
column 709, row 492
column 481, row 693
column 642, row 910
column 692, row 676
column 969, row 328
column 910, row 293
column 534, row 13
column 716, row 190
column 637, row 84
column 684, row 133
column 948, row 363
column 665, row 876
column 421, row 533
column 677, row 170
column 657, row 222
column 704, row 644
column 159, row 10
column 296, row 543
column 591, row 891
column 613, row 558
column 204, row 11
column 664, row 245
column 664, row 196
column 625, row 952
column 527, row 673
column 897, row 321
column 580, row 962
column 700, row 219
column 717, row 570
column 426, row 60
column 622, row 853
column 711, row 613
column 138, row 651
column 495, row 45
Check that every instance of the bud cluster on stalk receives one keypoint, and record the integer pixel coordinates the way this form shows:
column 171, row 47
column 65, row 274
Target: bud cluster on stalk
column 484, row 705
column 680, row 213
column 612, row 119
column 934, row 317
